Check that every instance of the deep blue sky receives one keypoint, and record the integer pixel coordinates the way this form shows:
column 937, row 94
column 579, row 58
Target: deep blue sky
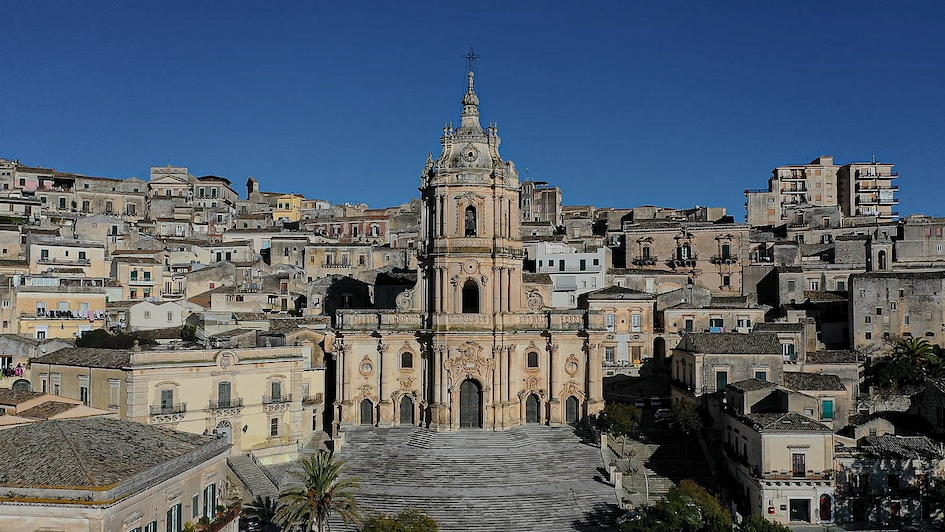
column 666, row 103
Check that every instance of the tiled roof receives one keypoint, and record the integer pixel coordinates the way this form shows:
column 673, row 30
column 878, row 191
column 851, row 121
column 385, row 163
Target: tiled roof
column 735, row 343
column 825, row 297
column 12, row 397
column 786, row 421
column 47, row 410
column 797, row 380
column 750, row 385
column 730, row 302
column 619, row 292
column 87, row 357
column 779, row 327
column 901, row 446
column 92, row 452
column 831, row 357
column 536, row 278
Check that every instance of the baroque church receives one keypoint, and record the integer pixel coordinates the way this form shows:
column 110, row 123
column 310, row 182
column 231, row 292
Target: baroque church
column 471, row 344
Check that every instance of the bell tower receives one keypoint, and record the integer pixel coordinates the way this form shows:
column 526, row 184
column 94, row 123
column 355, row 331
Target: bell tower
column 471, row 248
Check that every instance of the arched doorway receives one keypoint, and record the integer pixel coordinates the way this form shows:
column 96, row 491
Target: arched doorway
column 406, row 410
column 572, row 413
column 470, row 404
column 225, row 430
column 470, row 297
column 882, row 260
column 659, row 348
column 826, row 508
column 367, row 412
column 22, row 385
column 532, row 409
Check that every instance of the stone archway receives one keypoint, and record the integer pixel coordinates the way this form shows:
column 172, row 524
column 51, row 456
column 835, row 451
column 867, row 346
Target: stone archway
column 532, row 409
column 406, row 410
column 826, row 508
column 659, row 348
column 22, row 385
column 470, row 404
column 470, row 297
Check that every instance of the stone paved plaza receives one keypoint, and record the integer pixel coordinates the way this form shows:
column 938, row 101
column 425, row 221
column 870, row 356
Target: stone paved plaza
column 529, row 478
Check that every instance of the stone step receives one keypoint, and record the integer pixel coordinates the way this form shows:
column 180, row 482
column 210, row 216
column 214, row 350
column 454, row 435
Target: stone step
column 253, row 478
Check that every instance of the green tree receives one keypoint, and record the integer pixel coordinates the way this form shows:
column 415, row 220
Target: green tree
column 323, row 493
column 687, row 419
column 406, row 521
column 687, row 507
column 620, row 421
column 264, row 509
column 102, row 339
column 756, row 523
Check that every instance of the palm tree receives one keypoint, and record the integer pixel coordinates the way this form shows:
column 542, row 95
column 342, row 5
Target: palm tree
column 913, row 349
column 322, row 493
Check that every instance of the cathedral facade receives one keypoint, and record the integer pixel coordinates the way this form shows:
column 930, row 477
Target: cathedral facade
column 472, row 343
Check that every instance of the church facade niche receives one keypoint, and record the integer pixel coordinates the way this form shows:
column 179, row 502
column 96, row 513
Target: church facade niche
column 489, row 354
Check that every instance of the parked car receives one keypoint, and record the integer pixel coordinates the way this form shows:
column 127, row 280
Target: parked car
column 663, row 415
column 655, row 401
column 639, row 403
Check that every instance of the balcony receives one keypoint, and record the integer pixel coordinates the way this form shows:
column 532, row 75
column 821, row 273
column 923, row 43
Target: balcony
column 65, row 261
column 232, row 403
column 565, row 287
column 314, row 399
column 64, row 315
column 889, row 201
column 141, row 282
column 724, row 259
column 675, row 263
column 569, row 269
column 167, row 410
column 277, row 399
column 645, row 261
column 800, row 190
column 867, row 177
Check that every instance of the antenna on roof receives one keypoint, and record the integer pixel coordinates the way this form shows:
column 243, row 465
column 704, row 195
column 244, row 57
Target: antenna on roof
column 874, row 158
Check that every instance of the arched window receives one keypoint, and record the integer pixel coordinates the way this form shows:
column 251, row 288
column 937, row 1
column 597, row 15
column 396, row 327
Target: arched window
column 685, row 252
column 471, row 221
column 532, row 359
column 470, row 297
column 646, row 252
column 882, row 260
column 406, row 359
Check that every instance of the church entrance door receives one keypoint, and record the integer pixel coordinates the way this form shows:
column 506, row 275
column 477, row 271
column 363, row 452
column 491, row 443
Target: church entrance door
column 406, row 411
column 531, row 409
column 367, row 412
column 571, row 410
column 470, row 404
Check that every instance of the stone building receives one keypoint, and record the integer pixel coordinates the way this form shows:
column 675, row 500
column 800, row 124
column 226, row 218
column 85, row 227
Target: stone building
column 711, row 254
column 266, row 400
column 889, row 305
column 789, row 186
column 472, row 344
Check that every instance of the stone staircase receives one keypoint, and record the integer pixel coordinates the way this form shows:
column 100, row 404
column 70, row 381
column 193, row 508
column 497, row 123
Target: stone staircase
column 529, row 478
column 252, row 476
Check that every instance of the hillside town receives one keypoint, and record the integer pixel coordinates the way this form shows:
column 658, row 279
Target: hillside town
column 171, row 345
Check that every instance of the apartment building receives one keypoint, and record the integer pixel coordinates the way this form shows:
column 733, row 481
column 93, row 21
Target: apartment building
column 46, row 306
column 541, row 202
column 704, row 363
column 868, row 189
column 629, row 317
column 814, row 184
column 574, row 269
column 45, row 251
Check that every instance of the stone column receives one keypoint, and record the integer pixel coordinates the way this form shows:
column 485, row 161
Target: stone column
column 595, row 384
column 554, row 386
column 385, row 414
